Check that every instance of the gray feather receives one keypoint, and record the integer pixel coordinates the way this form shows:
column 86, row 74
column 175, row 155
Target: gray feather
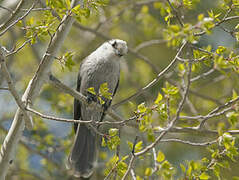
column 101, row 66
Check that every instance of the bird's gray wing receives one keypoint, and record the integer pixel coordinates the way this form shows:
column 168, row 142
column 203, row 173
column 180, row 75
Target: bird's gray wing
column 77, row 105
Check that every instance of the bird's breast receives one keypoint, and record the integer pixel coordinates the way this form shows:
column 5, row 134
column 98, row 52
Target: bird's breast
column 99, row 72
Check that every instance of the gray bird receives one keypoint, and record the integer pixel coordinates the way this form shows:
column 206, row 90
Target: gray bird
column 101, row 66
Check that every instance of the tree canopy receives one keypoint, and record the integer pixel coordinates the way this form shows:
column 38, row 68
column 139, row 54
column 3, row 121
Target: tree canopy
column 176, row 112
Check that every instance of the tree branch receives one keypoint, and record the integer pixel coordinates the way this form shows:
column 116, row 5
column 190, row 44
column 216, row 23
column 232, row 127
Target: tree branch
column 189, row 142
column 129, row 167
column 16, row 21
column 20, row 103
column 176, row 13
column 10, row 143
column 59, row 85
column 172, row 123
column 152, row 83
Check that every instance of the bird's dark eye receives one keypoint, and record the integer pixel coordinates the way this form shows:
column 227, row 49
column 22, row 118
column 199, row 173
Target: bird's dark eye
column 114, row 44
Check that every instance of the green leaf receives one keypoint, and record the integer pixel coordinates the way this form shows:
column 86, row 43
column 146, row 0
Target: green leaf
column 104, row 91
column 159, row 98
column 76, row 8
column 113, row 142
column 113, row 131
column 233, row 118
column 91, row 90
column 130, row 144
column 170, row 89
column 221, row 49
column 204, row 176
column 234, row 94
column 101, row 100
column 142, row 108
column 237, row 26
column 148, row 172
column 183, row 168
column 103, row 143
column 68, row 3
column 160, row 156
column 138, row 146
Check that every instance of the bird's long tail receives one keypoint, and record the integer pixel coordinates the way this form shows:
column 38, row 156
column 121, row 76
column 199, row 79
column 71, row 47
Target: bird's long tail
column 83, row 154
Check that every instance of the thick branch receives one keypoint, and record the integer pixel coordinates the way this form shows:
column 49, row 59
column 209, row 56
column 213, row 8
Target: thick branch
column 58, row 84
column 10, row 143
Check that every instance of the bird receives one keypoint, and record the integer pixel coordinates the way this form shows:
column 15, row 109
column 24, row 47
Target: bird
column 101, row 66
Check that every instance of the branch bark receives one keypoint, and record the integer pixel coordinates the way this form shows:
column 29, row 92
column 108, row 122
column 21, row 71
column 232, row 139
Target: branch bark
column 12, row 139
column 13, row 91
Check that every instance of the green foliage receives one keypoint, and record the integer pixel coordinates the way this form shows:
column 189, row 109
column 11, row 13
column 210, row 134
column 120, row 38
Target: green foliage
column 170, row 90
column 104, row 91
column 40, row 28
column 155, row 27
column 102, row 94
column 113, row 139
column 117, row 165
column 67, row 61
column 160, row 157
column 138, row 146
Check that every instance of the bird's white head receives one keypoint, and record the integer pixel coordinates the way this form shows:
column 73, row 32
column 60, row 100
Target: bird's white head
column 118, row 46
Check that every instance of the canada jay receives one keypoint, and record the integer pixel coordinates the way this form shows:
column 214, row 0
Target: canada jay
column 101, row 66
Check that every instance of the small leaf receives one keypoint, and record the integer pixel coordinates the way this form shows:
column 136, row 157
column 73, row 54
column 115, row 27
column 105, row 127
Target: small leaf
column 204, row 176
column 138, row 146
column 237, row 26
column 160, row 156
column 68, row 3
column 113, row 131
column 234, row 94
column 101, row 100
column 91, row 90
column 183, row 168
column 148, row 172
column 130, row 144
column 159, row 98
column 142, row 108
column 103, row 143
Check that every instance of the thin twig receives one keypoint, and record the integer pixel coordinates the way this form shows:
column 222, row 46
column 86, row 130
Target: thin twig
column 20, row 103
column 14, row 14
column 189, row 142
column 172, row 123
column 129, row 167
column 111, row 171
column 176, row 13
column 18, row 49
column 38, row 9
column 8, row 148
column 56, row 118
column 153, row 82
column 25, row 144
column 224, row 19
column 203, row 75
column 19, row 19
column 216, row 112
column 149, row 43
